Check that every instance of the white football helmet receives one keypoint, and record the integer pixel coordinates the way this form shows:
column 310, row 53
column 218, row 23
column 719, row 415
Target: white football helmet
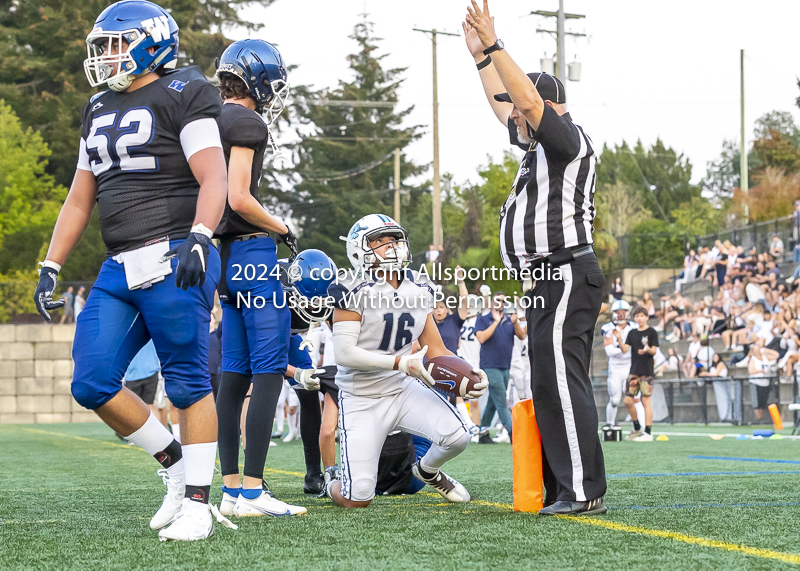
column 369, row 228
column 619, row 311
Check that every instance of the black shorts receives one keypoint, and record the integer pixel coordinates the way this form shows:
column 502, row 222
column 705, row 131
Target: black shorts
column 762, row 395
column 145, row 389
column 327, row 383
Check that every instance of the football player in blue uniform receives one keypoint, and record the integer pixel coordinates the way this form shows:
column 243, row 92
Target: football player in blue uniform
column 151, row 158
column 255, row 339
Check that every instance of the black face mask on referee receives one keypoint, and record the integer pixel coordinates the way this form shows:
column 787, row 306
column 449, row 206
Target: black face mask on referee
column 546, row 222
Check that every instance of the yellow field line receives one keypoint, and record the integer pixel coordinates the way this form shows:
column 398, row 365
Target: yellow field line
column 606, row 524
column 38, row 431
column 683, row 538
column 675, row 536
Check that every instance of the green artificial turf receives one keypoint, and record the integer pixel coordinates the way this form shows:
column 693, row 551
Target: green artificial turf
column 74, row 497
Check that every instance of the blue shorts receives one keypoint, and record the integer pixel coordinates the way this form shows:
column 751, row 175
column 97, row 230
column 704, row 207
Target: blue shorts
column 255, row 339
column 117, row 322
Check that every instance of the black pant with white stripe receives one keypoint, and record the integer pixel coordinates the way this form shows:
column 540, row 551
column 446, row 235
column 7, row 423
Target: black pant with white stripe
column 560, row 345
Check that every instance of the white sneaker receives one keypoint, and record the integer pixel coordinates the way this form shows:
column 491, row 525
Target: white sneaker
column 265, row 505
column 176, row 488
column 448, row 488
column 502, row 438
column 194, row 522
column 737, row 348
column 474, row 439
column 288, row 438
column 272, row 443
column 644, row 438
column 227, row 504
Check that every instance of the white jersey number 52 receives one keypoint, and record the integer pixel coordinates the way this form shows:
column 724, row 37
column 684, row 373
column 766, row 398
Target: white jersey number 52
column 138, row 126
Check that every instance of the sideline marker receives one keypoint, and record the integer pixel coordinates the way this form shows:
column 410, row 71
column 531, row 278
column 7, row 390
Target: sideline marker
column 777, row 422
column 526, row 450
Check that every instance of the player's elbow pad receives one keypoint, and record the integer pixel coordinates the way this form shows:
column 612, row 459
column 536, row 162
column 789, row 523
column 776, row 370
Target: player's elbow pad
column 349, row 354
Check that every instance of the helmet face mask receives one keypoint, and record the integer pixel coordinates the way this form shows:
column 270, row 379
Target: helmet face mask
column 620, row 311
column 364, row 257
column 129, row 39
column 306, row 282
column 260, row 66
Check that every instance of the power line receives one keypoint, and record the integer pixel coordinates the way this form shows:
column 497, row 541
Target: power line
column 352, row 172
column 349, row 103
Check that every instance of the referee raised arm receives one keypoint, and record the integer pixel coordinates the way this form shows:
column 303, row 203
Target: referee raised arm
column 547, row 221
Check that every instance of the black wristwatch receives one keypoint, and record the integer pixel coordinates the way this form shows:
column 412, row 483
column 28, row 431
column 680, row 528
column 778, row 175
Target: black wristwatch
column 498, row 45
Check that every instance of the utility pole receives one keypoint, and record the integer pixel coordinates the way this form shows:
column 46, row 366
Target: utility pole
column 397, row 185
column 743, row 149
column 438, row 238
column 560, row 34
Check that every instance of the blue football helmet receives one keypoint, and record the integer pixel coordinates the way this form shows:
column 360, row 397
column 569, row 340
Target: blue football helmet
column 306, row 281
column 260, row 65
column 117, row 47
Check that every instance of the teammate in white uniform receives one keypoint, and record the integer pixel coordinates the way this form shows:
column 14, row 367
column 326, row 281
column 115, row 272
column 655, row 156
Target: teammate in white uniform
column 520, row 364
column 619, row 363
column 469, row 349
column 383, row 385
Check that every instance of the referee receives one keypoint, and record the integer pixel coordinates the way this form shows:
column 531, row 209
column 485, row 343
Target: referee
column 547, row 222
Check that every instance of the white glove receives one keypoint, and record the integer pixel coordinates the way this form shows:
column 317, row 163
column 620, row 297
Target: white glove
column 480, row 388
column 412, row 366
column 485, row 290
column 306, row 379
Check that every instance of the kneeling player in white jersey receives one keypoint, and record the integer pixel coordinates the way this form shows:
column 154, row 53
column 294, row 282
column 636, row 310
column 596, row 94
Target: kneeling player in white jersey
column 383, row 385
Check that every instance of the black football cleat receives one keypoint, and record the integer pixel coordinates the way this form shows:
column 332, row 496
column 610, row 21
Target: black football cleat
column 314, row 484
column 485, row 437
column 565, row 507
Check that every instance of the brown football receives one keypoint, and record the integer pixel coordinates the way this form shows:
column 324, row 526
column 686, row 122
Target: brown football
column 453, row 375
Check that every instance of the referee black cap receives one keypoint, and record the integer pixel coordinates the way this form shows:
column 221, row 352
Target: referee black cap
column 549, row 87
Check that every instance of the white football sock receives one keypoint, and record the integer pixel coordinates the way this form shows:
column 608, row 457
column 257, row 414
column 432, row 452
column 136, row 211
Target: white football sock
column 279, row 417
column 176, row 432
column 611, row 413
column 199, row 460
column 153, row 437
column 639, row 411
column 293, row 418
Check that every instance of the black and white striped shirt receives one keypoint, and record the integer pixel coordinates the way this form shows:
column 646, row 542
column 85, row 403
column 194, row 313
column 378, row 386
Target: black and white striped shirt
column 551, row 205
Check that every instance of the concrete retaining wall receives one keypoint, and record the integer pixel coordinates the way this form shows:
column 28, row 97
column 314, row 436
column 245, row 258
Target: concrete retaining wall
column 35, row 375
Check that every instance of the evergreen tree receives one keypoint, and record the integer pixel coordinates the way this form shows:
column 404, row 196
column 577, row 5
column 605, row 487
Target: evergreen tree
column 343, row 165
column 41, row 61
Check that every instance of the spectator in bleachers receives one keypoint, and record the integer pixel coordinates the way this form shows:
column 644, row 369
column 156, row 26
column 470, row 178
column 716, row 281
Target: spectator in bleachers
column 796, row 232
column 69, row 306
column 617, row 291
column 80, row 301
column 776, row 248
column 647, row 303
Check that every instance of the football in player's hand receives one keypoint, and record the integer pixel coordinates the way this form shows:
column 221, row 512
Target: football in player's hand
column 453, row 375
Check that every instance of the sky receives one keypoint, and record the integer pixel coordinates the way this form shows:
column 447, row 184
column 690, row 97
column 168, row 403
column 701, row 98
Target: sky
column 650, row 70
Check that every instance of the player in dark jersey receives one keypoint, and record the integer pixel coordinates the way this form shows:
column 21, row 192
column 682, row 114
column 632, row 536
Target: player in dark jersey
column 255, row 344
column 150, row 156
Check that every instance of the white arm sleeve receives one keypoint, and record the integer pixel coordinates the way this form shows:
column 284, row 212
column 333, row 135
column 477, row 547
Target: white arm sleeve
column 612, row 350
column 83, row 157
column 198, row 135
column 348, row 354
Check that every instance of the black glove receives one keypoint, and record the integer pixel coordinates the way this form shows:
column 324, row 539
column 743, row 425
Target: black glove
column 291, row 241
column 192, row 256
column 48, row 277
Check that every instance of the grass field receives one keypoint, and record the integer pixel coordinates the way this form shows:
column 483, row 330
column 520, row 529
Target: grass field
column 74, row 497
